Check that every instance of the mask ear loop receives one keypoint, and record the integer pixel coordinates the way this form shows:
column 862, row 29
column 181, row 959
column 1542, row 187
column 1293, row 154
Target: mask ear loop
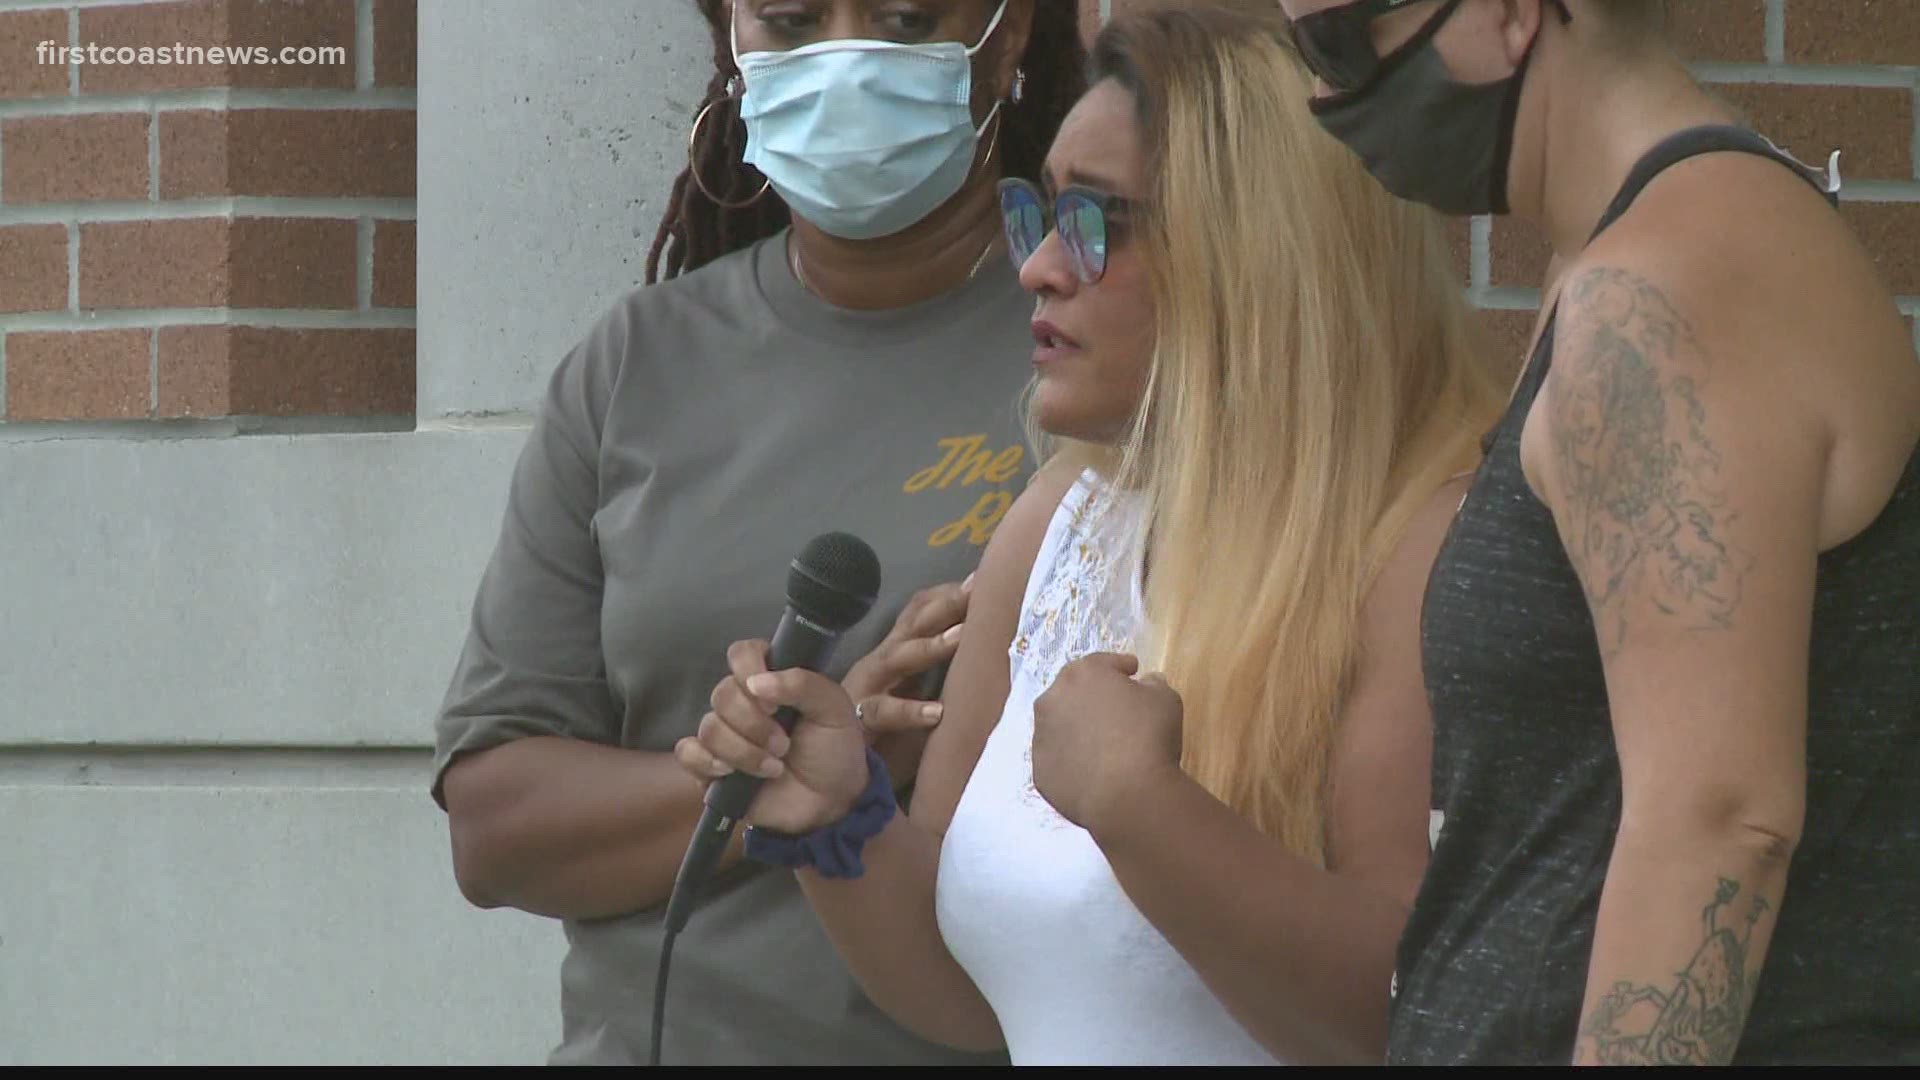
column 991, row 27
column 1018, row 90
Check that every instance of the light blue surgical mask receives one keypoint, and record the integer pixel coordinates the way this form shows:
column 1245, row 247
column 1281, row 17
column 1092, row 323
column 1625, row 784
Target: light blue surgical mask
column 863, row 138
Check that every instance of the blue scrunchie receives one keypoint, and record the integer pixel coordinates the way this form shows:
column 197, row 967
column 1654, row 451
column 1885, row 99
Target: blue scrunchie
column 833, row 851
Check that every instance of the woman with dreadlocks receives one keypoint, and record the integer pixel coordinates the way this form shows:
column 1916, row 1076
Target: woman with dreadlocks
column 826, row 342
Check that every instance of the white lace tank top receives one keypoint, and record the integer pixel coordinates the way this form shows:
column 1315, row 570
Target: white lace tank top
column 1026, row 900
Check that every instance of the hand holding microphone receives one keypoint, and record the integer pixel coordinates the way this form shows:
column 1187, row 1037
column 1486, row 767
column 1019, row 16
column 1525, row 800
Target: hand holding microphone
column 810, row 777
column 831, row 585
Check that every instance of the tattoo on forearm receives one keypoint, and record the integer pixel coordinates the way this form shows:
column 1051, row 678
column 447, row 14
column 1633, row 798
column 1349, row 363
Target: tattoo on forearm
column 1695, row 1022
column 1643, row 511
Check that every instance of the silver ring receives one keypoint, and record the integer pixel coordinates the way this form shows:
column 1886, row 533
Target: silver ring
column 860, row 713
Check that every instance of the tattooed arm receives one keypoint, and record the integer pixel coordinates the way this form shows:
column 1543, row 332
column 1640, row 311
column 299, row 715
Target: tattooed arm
column 1685, row 482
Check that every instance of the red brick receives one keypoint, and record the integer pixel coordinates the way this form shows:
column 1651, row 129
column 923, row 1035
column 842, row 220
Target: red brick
column 1891, row 232
column 396, row 46
column 394, row 264
column 205, row 29
column 1853, row 32
column 193, row 372
column 319, row 153
column 258, row 371
column 153, row 264
column 33, row 268
column 74, row 158
column 295, row 24
column 71, row 375
column 1723, row 30
column 22, row 75
column 192, row 23
column 1871, row 126
column 193, row 154
column 212, row 262
column 1519, row 253
column 295, row 263
column 1507, row 333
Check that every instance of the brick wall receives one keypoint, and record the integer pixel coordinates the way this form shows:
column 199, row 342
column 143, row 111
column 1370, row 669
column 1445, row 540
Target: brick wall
column 215, row 240
column 1813, row 75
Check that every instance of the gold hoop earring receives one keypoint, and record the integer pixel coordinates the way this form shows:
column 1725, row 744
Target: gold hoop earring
column 693, row 165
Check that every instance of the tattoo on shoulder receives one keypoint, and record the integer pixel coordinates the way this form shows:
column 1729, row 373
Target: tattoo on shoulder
column 1696, row 1021
column 1644, row 512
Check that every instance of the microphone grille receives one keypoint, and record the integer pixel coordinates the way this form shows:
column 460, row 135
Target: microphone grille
column 834, row 580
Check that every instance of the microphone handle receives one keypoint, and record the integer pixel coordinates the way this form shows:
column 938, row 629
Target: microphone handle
column 797, row 643
column 731, row 795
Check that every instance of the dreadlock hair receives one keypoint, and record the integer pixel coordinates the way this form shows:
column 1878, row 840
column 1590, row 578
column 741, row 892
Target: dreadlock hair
column 695, row 230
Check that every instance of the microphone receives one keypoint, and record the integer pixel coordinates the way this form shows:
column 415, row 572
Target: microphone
column 831, row 585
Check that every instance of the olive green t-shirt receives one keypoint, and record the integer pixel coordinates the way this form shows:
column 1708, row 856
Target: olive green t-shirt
column 701, row 433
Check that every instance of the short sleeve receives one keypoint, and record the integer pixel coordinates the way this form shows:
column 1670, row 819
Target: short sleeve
column 532, row 663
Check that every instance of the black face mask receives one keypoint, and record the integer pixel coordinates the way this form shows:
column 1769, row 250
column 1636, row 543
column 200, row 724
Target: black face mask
column 1425, row 137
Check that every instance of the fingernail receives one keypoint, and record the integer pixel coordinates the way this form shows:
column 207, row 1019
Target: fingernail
column 953, row 633
column 967, row 585
column 721, row 768
column 772, row 768
column 760, row 684
column 931, row 713
column 779, row 744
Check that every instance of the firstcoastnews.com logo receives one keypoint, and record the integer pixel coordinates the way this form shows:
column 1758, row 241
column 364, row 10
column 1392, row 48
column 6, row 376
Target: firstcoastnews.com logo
column 54, row 53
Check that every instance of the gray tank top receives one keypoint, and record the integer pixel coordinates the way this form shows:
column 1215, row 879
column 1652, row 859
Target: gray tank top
column 1493, row 965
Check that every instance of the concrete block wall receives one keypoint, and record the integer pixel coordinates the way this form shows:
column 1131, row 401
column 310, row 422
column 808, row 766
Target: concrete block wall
column 243, row 508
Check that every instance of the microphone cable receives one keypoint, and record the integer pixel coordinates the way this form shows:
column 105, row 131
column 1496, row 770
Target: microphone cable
column 660, row 995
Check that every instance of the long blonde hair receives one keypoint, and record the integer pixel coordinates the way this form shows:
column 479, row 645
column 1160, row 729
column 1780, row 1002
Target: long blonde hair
column 1316, row 377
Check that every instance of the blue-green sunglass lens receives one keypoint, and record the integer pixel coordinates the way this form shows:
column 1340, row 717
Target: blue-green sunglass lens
column 1025, row 225
column 1083, row 228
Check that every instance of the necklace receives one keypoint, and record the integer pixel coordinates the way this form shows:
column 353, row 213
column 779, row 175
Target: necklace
column 793, row 261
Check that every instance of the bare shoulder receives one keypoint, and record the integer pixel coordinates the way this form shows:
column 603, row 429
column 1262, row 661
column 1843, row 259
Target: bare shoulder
column 1693, row 330
column 1016, row 541
column 1770, row 282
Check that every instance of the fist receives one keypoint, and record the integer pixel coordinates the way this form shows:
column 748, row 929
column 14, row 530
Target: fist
column 1100, row 735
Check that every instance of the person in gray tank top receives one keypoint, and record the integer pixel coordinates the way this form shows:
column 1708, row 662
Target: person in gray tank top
column 1672, row 642
column 831, row 339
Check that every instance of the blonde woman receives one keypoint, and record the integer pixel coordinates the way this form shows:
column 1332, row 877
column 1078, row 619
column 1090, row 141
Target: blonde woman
column 1260, row 370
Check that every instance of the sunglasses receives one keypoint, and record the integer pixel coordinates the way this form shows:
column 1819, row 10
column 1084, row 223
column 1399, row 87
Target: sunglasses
column 1337, row 42
column 1084, row 217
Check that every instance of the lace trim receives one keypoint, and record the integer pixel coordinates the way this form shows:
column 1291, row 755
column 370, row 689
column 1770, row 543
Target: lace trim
column 1084, row 603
